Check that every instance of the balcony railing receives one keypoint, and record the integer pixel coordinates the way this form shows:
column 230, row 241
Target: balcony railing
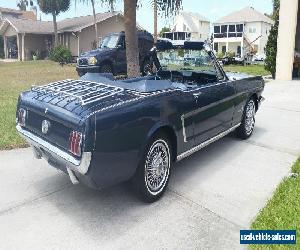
column 229, row 34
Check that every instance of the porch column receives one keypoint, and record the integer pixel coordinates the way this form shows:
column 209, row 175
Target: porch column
column 19, row 47
column 242, row 48
column 78, row 44
column 5, row 47
column 23, row 47
column 286, row 39
column 227, row 47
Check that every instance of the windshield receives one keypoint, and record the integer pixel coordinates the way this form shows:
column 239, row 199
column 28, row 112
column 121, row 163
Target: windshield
column 110, row 42
column 187, row 60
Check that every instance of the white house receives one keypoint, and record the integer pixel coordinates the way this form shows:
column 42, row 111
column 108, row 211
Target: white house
column 244, row 31
column 189, row 26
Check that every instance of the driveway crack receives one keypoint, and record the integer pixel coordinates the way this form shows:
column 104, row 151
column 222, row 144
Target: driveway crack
column 205, row 208
column 32, row 200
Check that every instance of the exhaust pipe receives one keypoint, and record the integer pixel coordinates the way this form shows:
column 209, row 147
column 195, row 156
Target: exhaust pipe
column 72, row 176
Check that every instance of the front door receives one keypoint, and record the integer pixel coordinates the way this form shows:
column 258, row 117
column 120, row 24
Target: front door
column 215, row 107
column 213, row 100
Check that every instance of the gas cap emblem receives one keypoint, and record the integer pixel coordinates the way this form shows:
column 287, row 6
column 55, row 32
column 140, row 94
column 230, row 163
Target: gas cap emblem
column 45, row 126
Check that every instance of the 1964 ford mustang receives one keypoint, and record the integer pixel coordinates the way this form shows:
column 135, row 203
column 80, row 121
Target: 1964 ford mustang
column 102, row 131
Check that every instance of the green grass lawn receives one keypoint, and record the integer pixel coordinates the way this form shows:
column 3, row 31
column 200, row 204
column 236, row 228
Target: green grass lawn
column 282, row 212
column 249, row 69
column 17, row 77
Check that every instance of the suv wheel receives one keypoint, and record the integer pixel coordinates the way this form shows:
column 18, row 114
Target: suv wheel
column 106, row 68
column 152, row 176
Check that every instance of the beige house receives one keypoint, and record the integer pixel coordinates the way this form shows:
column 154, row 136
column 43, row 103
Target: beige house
column 189, row 26
column 242, row 32
column 23, row 37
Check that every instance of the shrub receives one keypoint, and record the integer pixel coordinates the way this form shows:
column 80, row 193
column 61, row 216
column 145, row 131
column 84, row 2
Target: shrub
column 61, row 54
column 220, row 55
column 1, row 47
column 271, row 47
column 230, row 54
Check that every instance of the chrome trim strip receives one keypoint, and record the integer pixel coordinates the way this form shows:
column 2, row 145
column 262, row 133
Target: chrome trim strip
column 206, row 143
column 81, row 166
column 183, row 129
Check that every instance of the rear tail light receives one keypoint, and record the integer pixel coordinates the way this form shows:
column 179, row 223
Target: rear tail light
column 75, row 143
column 22, row 117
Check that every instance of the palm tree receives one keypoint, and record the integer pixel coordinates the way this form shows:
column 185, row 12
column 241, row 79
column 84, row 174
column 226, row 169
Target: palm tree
column 166, row 6
column 155, row 20
column 23, row 4
column 111, row 4
column 54, row 7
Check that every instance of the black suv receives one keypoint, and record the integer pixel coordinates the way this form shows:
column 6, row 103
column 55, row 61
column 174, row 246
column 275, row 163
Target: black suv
column 110, row 57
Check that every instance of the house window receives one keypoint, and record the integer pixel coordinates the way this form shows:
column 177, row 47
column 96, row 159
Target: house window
column 231, row 28
column 239, row 51
column 223, row 49
column 252, row 30
column 216, row 46
column 239, row 28
column 224, row 28
column 217, row 29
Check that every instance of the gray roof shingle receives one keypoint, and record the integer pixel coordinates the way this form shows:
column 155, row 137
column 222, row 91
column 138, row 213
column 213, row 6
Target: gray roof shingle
column 31, row 26
column 68, row 25
column 247, row 14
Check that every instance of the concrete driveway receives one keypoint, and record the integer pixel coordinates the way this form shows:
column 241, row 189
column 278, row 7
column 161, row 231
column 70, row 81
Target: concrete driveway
column 211, row 196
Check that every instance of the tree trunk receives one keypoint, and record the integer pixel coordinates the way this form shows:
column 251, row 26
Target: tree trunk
column 155, row 20
column 112, row 9
column 55, row 29
column 132, row 50
column 95, row 22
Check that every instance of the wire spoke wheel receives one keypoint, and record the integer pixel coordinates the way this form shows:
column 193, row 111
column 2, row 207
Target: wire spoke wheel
column 157, row 167
column 250, row 117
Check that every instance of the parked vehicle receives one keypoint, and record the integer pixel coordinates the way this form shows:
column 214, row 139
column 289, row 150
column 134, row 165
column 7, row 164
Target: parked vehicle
column 110, row 57
column 102, row 132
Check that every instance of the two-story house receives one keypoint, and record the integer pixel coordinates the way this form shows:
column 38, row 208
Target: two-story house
column 243, row 32
column 189, row 26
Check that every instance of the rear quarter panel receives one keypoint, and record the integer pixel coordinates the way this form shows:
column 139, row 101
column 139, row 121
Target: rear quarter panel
column 123, row 133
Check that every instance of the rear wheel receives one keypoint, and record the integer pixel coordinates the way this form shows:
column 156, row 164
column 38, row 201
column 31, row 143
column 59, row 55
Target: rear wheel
column 245, row 130
column 152, row 176
column 106, row 68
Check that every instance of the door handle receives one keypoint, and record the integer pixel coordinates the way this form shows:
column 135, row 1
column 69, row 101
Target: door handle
column 197, row 95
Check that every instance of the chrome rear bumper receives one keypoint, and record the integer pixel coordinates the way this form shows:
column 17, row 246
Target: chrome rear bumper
column 39, row 146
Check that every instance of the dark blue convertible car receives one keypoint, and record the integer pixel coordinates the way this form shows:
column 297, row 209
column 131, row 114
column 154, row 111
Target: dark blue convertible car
column 102, row 131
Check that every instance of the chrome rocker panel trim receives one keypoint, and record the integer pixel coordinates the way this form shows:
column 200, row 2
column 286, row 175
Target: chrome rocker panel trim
column 206, row 143
column 81, row 166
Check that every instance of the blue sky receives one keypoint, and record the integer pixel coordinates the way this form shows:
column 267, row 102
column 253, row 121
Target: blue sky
column 211, row 9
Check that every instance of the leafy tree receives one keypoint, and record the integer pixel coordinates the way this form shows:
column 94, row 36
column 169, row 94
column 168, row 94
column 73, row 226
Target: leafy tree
column 165, row 6
column 163, row 30
column 271, row 47
column 23, row 4
column 54, row 7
